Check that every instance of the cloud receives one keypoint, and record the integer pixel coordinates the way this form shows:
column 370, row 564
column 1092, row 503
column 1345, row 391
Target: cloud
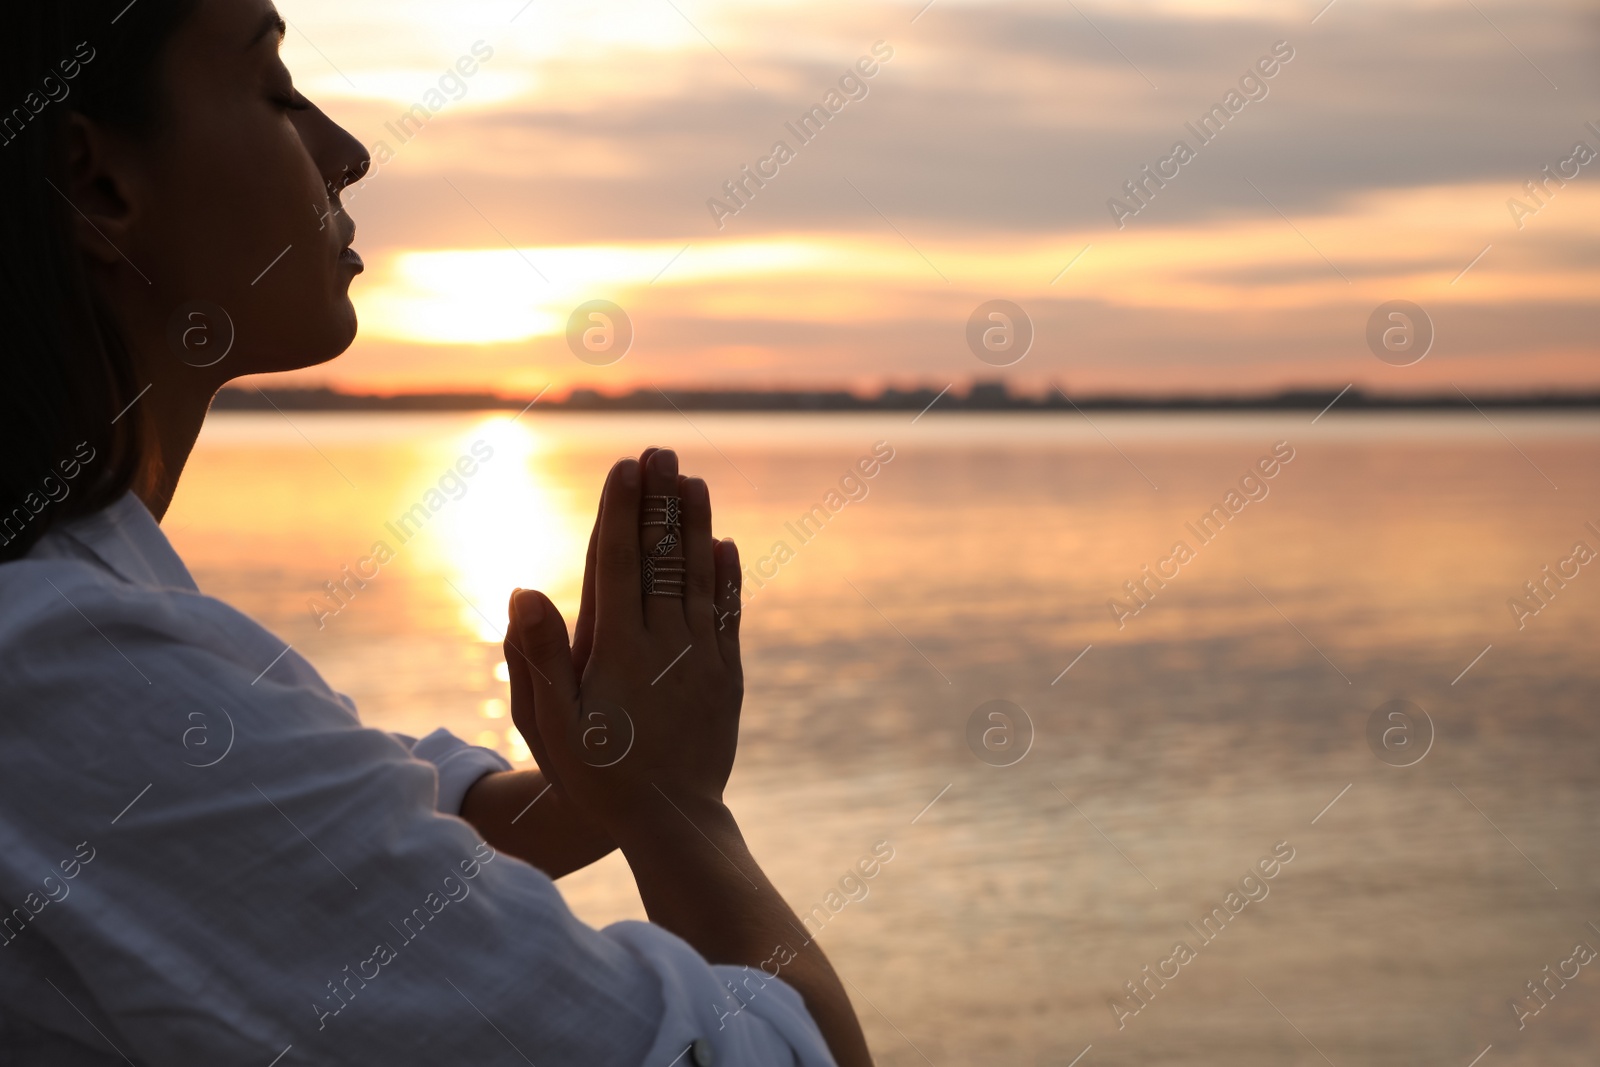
column 1377, row 166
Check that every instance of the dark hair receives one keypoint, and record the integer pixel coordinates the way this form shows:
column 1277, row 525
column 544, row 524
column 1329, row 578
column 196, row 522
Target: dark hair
column 72, row 439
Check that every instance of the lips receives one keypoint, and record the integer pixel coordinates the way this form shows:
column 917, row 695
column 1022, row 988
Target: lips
column 348, row 254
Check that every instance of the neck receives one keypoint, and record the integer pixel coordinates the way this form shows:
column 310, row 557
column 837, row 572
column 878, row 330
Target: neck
column 174, row 409
column 174, row 405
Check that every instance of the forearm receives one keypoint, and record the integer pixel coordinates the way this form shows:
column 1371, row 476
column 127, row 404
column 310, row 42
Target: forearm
column 519, row 815
column 698, row 879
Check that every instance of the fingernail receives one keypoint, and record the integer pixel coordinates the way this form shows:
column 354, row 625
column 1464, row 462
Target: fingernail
column 530, row 607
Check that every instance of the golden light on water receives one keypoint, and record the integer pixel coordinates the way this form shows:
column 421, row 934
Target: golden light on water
column 1391, row 542
column 513, row 526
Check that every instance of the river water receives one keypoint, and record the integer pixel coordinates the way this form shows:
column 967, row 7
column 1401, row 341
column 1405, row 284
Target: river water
column 1145, row 760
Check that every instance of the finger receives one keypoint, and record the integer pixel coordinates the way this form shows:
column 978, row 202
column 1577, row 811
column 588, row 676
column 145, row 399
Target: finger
column 700, row 577
column 542, row 646
column 662, row 545
column 617, row 599
column 728, row 606
column 527, row 681
column 522, row 714
column 583, row 634
column 522, row 680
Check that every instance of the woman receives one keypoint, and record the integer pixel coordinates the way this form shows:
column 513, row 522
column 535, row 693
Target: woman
column 315, row 891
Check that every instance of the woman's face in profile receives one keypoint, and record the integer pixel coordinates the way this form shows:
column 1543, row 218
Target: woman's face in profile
column 236, row 197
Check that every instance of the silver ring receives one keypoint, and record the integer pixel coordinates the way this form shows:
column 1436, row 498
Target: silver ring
column 664, row 575
column 670, row 511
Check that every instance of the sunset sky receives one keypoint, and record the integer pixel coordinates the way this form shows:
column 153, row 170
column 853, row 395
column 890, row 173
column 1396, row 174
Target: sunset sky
column 975, row 163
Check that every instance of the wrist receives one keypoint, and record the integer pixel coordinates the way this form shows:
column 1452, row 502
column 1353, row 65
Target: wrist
column 663, row 821
column 478, row 803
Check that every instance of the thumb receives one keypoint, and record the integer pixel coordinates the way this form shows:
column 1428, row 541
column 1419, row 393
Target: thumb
column 540, row 645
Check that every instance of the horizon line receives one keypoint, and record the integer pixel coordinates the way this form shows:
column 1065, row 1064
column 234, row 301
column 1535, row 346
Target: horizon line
column 981, row 396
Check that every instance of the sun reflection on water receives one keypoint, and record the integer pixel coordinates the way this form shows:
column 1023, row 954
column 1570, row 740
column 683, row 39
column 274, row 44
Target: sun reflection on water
column 516, row 526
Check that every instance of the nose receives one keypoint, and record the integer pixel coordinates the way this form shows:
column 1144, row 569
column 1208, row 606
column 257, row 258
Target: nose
column 340, row 158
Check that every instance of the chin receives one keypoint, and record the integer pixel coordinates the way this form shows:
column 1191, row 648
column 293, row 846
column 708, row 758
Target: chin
column 348, row 327
column 336, row 334
column 326, row 341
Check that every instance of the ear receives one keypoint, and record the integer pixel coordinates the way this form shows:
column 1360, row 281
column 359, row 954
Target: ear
column 98, row 186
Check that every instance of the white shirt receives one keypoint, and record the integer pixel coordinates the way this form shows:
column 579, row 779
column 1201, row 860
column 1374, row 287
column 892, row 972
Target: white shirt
column 205, row 858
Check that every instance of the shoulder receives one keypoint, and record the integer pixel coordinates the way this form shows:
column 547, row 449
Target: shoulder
column 62, row 610
column 81, row 649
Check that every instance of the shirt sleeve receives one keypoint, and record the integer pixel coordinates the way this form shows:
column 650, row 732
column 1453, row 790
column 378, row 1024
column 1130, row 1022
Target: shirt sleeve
column 457, row 763
column 283, row 886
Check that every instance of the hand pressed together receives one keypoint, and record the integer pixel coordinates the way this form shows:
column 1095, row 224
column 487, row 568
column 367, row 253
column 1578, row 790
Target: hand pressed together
column 636, row 721
column 645, row 716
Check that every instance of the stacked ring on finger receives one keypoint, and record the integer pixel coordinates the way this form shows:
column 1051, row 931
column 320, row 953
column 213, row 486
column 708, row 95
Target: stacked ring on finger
column 663, row 571
column 668, row 513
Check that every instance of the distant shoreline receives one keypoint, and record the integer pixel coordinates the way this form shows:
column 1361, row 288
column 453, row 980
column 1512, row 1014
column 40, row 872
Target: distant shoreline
column 981, row 397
